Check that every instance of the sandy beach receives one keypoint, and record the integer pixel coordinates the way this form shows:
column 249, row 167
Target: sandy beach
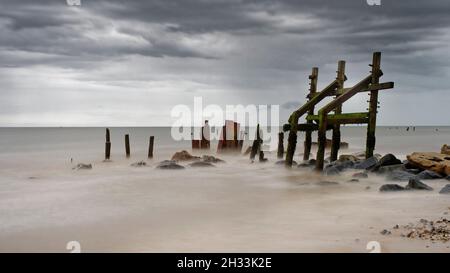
column 235, row 207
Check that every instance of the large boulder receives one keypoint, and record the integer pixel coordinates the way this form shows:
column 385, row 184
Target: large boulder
column 416, row 184
column 391, row 187
column 336, row 167
column 367, row 163
column 427, row 174
column 445, row 149
column 184, row 156
column 445, row 190
column 386, row 160
column 211, row 159
column 390, row 168
column 348, row 158
column 201, row 164
column 399, row 175
column 436, row 162
column 169, row 165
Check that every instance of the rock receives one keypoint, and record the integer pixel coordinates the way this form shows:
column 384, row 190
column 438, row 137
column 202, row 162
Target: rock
column 353, row 180
column 360, row 175
column 184, row 156
column 445, row 149
column 390, row 168
column 139, row 164
column 436, row 162
column 327, row 183
column 211, row 159
column 337, row 166
column 201, row 164
column 407, row 165
column 391, row 187
column 385, row 232
column 386, row 160
column 360, row 155
column 309, row 164
column 445, row 190
column 169, row 165
column 413, row 171
column 416, row 184
column 448, row 177
column 282, row 162
column 348, row 158
column 367, row 163
column 398, row 175
column 82, row 166
column 427, row 174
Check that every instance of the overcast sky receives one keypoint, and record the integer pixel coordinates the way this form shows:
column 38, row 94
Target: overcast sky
column 128, row 63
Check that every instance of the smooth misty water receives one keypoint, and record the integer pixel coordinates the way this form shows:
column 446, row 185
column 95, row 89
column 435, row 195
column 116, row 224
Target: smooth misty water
column 236, row 206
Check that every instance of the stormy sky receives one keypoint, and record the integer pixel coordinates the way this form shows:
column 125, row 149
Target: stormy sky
column 128, row 63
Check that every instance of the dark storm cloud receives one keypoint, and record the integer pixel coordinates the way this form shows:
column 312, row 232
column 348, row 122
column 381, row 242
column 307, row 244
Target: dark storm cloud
column 257, row 51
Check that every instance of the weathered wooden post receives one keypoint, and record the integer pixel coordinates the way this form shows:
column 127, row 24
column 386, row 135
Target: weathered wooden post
column 107, row 145
column 373, row 105
column 127, row 145
column 280, row 152
column 336, row 138
column 150, row 147
column 256, row 147
column 322, row 140
column 312, row 91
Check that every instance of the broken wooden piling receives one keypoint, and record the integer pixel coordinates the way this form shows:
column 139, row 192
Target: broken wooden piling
column 312, row 92
column 336, row 137
column 107, row 145
column 150, row 146
column 256, row 147
column 373, row 105
column 280, row 152
column 324, row 121
column 127, row 145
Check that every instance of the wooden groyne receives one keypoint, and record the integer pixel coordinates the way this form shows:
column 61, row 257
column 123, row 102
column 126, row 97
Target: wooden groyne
column 323, row 120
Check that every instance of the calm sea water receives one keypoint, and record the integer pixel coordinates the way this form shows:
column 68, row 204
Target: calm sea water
column 236, row 206
column 89, row 142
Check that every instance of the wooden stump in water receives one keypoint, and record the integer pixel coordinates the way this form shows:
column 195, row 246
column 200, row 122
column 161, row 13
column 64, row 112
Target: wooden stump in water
column 107, row 145
column 280, row 152
column 127, row 145
column 150, row 147
column 256, row 147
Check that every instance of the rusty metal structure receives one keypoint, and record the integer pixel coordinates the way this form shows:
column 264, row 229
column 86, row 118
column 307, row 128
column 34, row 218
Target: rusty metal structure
column 330, row 116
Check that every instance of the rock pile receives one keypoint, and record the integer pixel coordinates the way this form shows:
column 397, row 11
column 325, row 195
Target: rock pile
column 425, row 229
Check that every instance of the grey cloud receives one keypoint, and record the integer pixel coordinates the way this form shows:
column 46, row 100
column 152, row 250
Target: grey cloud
column 229, row 51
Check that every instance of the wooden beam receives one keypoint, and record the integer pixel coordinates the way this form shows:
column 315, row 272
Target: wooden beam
column 373, row 105
column 293, row 119
column 363, row 84
column 336, row 137
column 308, row 133
column 358, row 115
column 379, row 86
